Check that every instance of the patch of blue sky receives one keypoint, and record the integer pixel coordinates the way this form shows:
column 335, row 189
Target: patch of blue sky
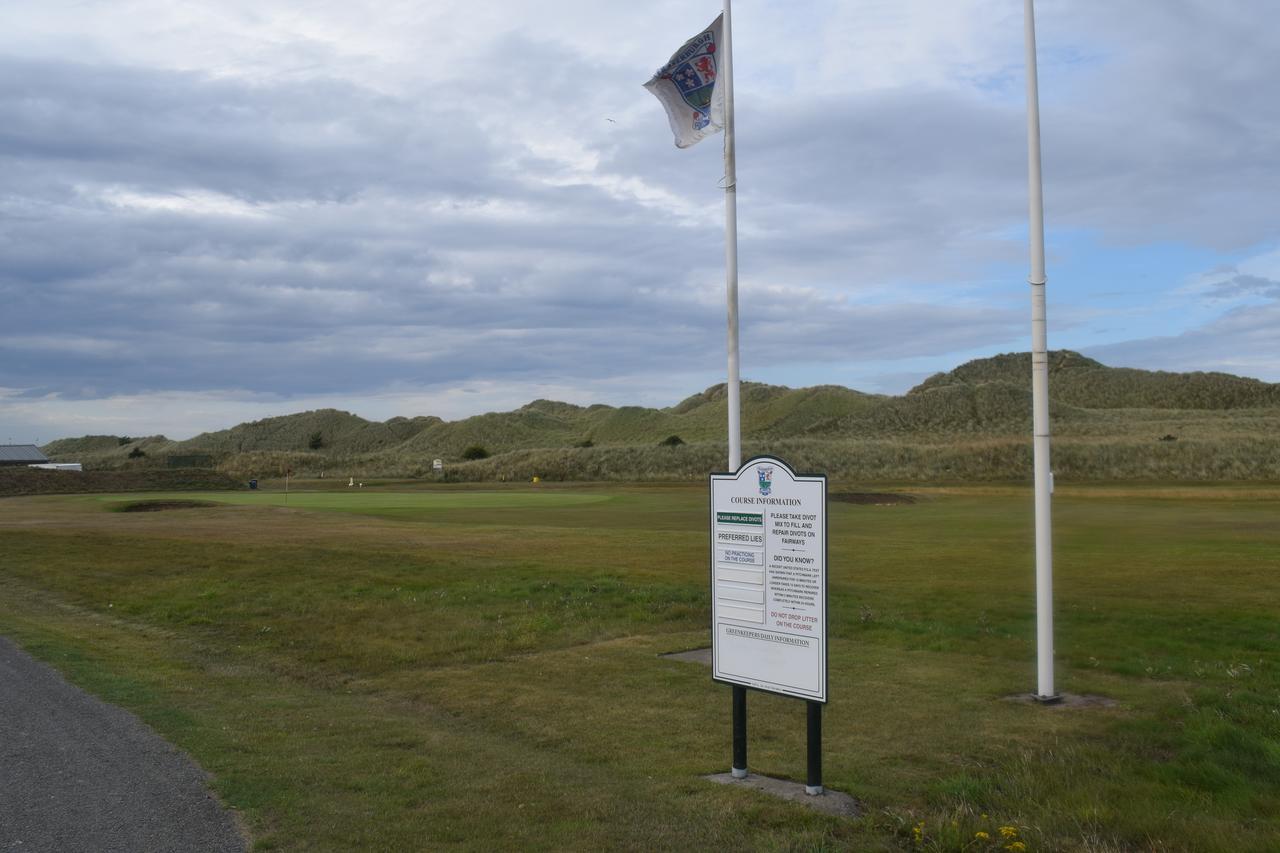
column 872, row 376
column 1060, row 69
column 1102, row 292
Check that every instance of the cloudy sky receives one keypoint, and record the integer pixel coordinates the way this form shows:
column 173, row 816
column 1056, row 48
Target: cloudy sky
column 222, row 210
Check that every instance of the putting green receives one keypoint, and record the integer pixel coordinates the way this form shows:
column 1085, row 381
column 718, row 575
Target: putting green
column 376, row 501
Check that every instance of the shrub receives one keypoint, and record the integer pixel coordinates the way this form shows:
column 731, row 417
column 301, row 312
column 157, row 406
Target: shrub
column 671, row 441
column 475, row 451
column 137, row 453
column 586, row 442
column 316, row 441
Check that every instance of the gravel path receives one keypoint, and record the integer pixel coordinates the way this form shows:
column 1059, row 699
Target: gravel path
column 77, row 774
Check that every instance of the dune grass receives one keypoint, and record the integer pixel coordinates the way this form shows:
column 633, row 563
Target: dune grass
column 481, row 670
column 970, row 424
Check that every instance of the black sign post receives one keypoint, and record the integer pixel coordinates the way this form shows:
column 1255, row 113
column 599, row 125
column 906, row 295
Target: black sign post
column 739, row 768
column 813, row 780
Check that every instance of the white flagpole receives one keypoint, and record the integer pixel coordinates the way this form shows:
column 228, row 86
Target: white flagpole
column 731, row 243
column 738, row 768
column 1039, row 379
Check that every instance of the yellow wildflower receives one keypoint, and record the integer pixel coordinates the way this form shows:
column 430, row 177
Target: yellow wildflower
column 1016, row 847
column 981, row 836
column 1008, row 832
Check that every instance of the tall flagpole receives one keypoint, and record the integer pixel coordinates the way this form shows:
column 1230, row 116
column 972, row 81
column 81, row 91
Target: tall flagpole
column 1039, row 379
column 739, row 767
column 731, row 243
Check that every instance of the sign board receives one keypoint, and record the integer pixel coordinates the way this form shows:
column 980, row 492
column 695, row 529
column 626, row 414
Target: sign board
column 437, row 464
column 769, row 579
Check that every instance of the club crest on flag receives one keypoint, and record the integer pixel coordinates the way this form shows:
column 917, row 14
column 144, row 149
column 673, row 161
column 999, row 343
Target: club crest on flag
column 695, row 79
column 765, row 473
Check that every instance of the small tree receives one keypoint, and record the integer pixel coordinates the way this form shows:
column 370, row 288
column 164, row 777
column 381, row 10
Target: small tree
column 671, row 441
column 137, row 453
column 316, row 441
column 475, row 451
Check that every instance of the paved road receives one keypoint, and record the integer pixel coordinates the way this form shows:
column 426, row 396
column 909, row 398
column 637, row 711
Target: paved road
column 77, row 774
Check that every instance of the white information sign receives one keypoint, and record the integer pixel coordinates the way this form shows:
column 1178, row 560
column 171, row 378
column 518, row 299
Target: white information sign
column 437, row 464
column 769, row 579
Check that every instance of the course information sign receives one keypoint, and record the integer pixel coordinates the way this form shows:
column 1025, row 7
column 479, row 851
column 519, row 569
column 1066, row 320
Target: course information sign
column 769, row 579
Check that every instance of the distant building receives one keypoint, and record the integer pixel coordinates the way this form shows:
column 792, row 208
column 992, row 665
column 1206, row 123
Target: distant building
column 21, row 454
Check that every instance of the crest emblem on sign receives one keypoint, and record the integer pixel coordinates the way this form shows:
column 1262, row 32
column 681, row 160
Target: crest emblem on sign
column 765, row 473
column 695, row 79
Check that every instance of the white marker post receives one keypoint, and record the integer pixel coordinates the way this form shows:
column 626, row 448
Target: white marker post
column 1039, row 381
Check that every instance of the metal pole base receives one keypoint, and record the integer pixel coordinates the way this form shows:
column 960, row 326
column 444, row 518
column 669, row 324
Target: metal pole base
column 1047, row 700
column 814, row 790
column 739, row 772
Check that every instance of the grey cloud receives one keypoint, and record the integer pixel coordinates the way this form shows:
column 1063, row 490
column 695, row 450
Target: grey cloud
column 165, row 130
column 1244, row 340
column 300, row 299
column 1168, row 135
column 371, row 259
column 784, row 326
column 1243, row 284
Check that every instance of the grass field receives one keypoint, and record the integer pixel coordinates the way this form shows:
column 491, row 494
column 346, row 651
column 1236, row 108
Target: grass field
column 480, row 669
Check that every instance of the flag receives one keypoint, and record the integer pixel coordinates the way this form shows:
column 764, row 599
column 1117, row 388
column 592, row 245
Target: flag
column 689, row 87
